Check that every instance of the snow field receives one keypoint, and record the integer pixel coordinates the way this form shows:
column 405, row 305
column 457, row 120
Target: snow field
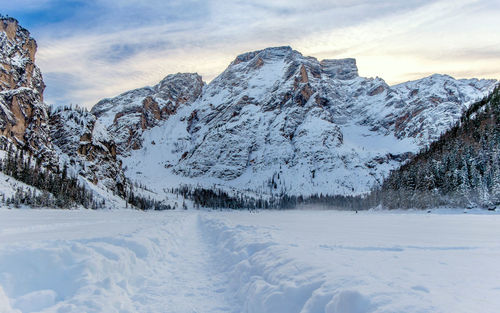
column 313, row 261
column 277, row 261
column 119, row 261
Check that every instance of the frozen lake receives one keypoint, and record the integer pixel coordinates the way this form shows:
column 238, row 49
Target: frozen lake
column 272, row 261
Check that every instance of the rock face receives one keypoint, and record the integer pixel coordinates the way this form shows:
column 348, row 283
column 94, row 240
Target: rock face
column 131, row 113
column 66, row 136
column 343, row 69
column 278, row 122
column 17, row 59
column 23, row 115
column 87, row 148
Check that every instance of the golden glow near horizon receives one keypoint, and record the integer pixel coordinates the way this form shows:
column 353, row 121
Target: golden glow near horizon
column 459, row 38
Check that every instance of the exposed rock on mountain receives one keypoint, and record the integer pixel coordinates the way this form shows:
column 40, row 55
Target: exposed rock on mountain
column 278, row 122
column 132, row 112
column 87, row 148
column 433, row 104
column 23, row 115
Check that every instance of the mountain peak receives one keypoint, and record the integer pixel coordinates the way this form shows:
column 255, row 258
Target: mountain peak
column 267, row 53
column 278, row 121
column 180, row 79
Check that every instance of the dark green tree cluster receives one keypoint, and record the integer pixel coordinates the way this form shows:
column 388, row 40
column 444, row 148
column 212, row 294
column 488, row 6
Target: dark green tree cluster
column 219, row 199
column 59, row 189
column 143, row 203
column 461, row 168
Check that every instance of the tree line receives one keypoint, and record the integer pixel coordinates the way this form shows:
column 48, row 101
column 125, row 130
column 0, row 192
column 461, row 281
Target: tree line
column 56, row 188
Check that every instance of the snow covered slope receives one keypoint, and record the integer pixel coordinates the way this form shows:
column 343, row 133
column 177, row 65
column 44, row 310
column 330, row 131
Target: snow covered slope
column 132, row 112
column 278, row 122
column 239, row 262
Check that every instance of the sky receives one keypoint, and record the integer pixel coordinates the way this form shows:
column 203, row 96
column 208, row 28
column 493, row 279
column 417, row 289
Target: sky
column 92, row 49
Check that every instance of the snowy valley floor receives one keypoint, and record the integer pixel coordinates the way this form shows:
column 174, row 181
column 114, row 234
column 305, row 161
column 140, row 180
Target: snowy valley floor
column 293, row 261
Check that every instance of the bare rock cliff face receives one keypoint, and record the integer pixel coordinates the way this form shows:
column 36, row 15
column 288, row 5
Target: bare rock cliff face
column 23, row 115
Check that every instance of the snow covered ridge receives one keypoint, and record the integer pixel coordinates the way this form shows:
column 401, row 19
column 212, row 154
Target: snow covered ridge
column 240, row 262
column 278, row 122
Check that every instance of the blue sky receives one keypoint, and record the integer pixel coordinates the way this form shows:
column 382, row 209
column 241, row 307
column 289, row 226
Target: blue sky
column 93, row 49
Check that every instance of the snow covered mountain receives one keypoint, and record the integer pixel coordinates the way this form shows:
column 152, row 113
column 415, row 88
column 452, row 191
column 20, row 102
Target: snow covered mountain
column 276, row 122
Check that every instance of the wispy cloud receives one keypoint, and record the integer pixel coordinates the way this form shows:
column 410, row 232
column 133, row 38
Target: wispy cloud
column 98, row 48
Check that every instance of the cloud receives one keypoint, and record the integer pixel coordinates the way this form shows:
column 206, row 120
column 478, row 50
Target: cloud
column 112, row 46
column 63, row 85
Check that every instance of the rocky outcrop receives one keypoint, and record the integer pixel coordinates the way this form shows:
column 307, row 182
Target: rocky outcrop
column 23, row 115
column 17, row 58
column 87, row 149
column 128, row 115
column 343, row 69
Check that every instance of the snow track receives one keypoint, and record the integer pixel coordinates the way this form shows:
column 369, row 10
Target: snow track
column 279, row 262
column 342, row 262
column 132, row 262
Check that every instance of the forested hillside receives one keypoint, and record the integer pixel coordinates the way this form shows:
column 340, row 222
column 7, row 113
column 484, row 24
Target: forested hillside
column 461, row 168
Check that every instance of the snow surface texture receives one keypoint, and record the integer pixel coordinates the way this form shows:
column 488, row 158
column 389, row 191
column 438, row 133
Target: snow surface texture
column 294, row 261
column 278, row 122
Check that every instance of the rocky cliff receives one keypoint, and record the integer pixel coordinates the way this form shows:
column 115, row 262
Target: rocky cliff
column 23, row 115
column 65, row 137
